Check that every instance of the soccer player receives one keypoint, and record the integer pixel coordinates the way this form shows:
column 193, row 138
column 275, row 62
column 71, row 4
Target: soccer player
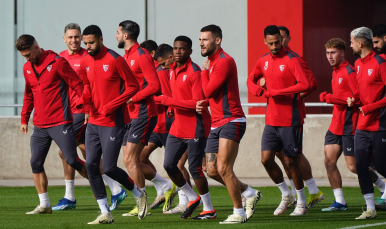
column 109, row 83
column 284, row 118
column 379, row 40
column 47, row 78
column 189, row 129
column 220, row 85
column 370, row 136
column 72, row 37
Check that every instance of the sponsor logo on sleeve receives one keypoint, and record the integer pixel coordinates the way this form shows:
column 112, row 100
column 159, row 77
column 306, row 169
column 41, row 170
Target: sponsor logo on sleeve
column 28, row 72
column 87, row 69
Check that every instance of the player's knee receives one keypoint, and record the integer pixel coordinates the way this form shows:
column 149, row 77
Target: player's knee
column 329, row 164
column 170, row 168
column 61, row 154
column 37, row 166
column 222, row 169
column 196, row 171
column 352, row 168
column 212, row 172
column 267, row 163
column 109, row 170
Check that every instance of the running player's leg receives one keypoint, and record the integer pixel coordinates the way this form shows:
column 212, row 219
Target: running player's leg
column 181, row 166
column 288, row 173
column 379, row 145
column 146, row 152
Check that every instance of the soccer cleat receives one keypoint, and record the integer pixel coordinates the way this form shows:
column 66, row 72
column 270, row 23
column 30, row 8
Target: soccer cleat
column 169, row 197
column 293, row 203
column 335, row 207
column 313, row 199
column 301, row 209
column 380, row 204
column 251, row 203
column 40, row 210
column 193, row 205
column 103, row 218
column 64, row 204
column 285, row 201
column 134, row 212
column 116, row 200
column 143, row 206
column 369, row 214
column 180, row 208
column 206, row 215
column 157, row 202
column 233, row 219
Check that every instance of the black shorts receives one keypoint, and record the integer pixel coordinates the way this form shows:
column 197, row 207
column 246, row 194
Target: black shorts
column 288, row 139
column 345, row 141
column 232, row 131
column 158, row 139
column 139, row 130
column 79, row 127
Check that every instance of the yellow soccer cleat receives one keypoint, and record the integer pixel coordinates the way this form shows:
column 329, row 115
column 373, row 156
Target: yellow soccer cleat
column 313, row 199
column 169, row 197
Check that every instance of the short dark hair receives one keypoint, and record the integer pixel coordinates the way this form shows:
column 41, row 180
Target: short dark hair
column 130, row 27
column 379, row 30
column 72, row 26
column 149, row 45
column 163, row 51
column 271, row 30
column 185, row 39
column 214, row 29
column 283, row 28
column 25, row 42
column 93, row 30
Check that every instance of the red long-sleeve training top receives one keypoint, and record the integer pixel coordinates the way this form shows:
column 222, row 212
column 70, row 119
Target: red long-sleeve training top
column 46, row 90
column 221, row 87
column 344, row 118
column 108, row 85
column 186, row 90
column 371, row 78
column 285, row 79
column 142, row 65
column 74, row 61
column 164, row 122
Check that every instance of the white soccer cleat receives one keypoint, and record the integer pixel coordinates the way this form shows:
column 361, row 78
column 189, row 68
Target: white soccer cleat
column 301, row 209
column 103, row 218
column 285, row 201
column 40, row 210
column 369, row 214
column 180, row 208
column 251, row 202
column 234, row 219
column 143, row 206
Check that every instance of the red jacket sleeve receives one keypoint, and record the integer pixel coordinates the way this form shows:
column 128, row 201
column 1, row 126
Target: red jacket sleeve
column 69, row 75
column 153, row 84
column 28, row 104
column 86, row 96
column 131, row 84
column 330, row 98
column 370, row 108
column 218, row 78
column 302, row 85
column 255, row 75
column 310, row 75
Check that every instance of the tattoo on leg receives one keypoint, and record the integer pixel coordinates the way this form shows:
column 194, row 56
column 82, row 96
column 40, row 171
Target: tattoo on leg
column 213, row 157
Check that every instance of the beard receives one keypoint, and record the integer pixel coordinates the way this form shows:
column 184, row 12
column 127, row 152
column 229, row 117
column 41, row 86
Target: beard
column 209, row 51
column 121, row 44
column 357, row 53
column 381, row 50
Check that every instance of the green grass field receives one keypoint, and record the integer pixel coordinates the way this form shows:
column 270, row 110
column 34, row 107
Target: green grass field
column 14, row 202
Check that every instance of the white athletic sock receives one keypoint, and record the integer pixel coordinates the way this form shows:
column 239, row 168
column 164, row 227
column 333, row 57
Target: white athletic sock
column 293, row 188
column 301, row 196
column 338, row 193
column 189, row 192
column 248, row 193
column 380, row 184
column 285, row 191
column 239, row 211
column 136, row 192
column 207, row 202
column 369, row 197
column 69, row 194
column 103, row 205
column 160, row 191
column 143, row 189
column 44, row 200
column 183, row 199
column 311, row 185
column 113, row 185
column 162, row 182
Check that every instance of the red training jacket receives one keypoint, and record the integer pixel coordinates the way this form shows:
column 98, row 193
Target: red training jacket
column 46, row 90
column 221, row 87
column 108, row 85
column 164, row 122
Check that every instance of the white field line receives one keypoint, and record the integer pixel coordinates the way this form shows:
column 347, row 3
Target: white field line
column 363, row 226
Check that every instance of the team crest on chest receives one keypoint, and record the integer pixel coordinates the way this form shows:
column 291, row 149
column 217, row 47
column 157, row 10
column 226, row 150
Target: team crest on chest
column 281, row 67
column 184, row 77
column 370, row 71
column 266, row 65
column 357, row 69
column 211, row 69
column 340, row 80
column 105, row 67
column 28, row 72
column 132, row 62
column 49, row 67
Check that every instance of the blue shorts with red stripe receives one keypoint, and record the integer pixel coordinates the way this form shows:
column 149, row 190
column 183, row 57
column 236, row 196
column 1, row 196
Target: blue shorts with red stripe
column 140, row 130
column 79, row 127
column 232, row 131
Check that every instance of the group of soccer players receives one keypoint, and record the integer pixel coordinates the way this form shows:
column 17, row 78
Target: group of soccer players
column 156, row 96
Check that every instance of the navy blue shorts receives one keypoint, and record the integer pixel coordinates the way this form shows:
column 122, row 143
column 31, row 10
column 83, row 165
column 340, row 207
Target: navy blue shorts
column 139, row 130
column 288, row 139
column 232, row 131
column 345, row 141
column 158, row 139
column 79, row 127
